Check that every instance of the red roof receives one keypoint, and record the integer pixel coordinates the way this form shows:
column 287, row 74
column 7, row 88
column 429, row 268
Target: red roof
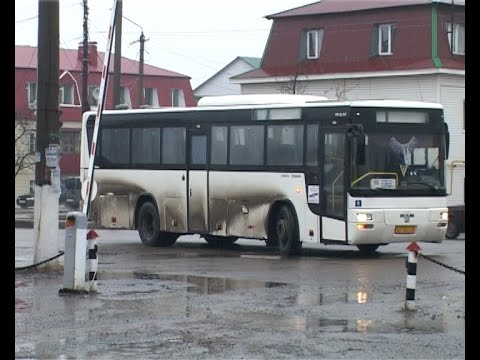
column 26, row 58
column 337, row 6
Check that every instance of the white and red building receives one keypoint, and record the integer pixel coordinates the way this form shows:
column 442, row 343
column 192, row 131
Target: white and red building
column 161, row 88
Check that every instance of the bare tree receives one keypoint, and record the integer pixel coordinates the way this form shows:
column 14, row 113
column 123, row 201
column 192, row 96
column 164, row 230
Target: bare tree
column 340, row 90
column 293, row 86
column 24, row 131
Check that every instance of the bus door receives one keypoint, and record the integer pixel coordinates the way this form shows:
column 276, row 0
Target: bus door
column 197, row 180
column 332, row 193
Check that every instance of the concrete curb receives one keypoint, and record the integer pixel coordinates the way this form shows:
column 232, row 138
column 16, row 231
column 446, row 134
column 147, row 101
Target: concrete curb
column 26, row 224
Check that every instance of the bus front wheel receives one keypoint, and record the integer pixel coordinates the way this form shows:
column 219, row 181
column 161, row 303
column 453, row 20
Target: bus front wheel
column 283, row 231
column 452, row 230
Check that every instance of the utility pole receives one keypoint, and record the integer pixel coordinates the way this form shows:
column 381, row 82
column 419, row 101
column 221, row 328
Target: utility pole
column 141, row 98
column 47, row 171
column 85, row 104
column 47, row 85
column 117, row 55
column 140, row 93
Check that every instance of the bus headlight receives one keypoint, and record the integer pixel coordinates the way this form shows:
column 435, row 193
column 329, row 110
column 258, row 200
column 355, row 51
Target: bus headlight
column 362, row 217
column 444, row 215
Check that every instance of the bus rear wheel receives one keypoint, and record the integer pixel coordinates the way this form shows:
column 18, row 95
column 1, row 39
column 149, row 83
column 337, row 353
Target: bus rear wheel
column 149, row 227
column 283, row 231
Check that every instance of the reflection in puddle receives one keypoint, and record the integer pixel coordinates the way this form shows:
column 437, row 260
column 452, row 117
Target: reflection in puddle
column 209, row 285
column 362, row 297
column 329, row 325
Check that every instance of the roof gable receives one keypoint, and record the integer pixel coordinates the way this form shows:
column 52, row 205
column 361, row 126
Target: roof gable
column 254, row 62
column 26, row 58
column 339, row 6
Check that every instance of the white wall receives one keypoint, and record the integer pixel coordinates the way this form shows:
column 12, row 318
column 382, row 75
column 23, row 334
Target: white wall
column 220, row 84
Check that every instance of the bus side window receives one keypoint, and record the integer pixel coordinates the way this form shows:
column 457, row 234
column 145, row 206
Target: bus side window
column 286, row 154
column 173, row 145
column 239, row 155
column 219, row 145
column 251, row 138
column 115, row 147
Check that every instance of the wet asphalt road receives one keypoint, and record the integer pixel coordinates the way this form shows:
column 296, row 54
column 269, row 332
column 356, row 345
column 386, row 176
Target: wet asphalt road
column 192, row 301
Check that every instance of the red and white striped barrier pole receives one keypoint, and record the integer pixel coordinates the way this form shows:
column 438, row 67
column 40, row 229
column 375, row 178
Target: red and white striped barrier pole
column 92, row 260
column 92, row 246
column 413, row 249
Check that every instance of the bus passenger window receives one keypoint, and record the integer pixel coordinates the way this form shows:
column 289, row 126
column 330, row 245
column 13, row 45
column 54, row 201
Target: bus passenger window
column 246, row 145
column 285, row 145
column 115, row 145
column 199, row 150
column 173, row 146
column 146, row 146
column 219, row 145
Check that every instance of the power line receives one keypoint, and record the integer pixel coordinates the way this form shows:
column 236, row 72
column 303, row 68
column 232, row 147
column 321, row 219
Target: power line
column 27, row 19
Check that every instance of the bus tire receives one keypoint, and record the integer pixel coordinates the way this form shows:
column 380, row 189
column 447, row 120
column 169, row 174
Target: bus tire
column 283, row 231
column 452, row 231
column 367, row 248
column 149, row 224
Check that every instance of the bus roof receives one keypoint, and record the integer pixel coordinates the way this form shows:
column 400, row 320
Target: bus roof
column 256, row 101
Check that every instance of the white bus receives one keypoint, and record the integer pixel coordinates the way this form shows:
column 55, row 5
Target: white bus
column 284, row 169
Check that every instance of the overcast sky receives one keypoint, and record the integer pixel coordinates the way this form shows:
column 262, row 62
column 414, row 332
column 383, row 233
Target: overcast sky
column 192, row 37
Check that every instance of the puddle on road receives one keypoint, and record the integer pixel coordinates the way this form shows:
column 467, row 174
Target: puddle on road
column 198, row 284
column 409, row 324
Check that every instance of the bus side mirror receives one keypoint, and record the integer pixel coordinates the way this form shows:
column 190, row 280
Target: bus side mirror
column 447, row 141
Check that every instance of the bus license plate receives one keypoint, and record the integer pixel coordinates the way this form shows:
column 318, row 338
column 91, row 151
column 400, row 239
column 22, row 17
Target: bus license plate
column 405, row 229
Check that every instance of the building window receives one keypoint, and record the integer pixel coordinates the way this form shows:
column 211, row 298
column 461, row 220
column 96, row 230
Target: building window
column 383, row 39
column 70, row 142
column 125, row 96
column 314, row 43
column 150, row 96
column 32, row 93
column 32, row 143
column 65, row 94
column 178, row 98
column 93, row 94
column 458, row 36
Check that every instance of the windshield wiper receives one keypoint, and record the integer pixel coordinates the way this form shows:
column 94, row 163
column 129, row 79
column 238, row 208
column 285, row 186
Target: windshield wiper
column 433, row 187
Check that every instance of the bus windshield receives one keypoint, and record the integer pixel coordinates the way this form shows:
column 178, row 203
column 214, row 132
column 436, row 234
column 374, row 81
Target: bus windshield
column 403, row 163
